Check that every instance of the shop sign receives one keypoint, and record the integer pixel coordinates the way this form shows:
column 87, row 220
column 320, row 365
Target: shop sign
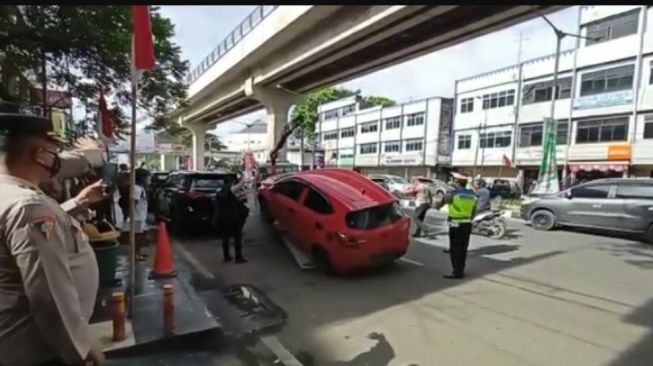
column 604, row 100
column 619, row 151
column 346, row 162
column 413, row 159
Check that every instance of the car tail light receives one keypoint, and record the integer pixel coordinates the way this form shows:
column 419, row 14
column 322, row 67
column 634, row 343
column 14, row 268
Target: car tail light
column 193, row 194
column 349, row 240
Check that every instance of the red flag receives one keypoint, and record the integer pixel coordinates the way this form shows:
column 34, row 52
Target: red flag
column 142, row 41
column 506, row 161
column 106, row 125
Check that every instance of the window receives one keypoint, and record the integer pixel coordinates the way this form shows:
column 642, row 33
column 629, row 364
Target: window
column 415, row 119
column 591, row 191
column 415, row 145
column 391, row 147
column 499, row 99
column 316, row 202
column 530, row 136
column 392, row 123
column 650, row 73
column 495, row 139
column 467, row 105
column 542, row 92
column 370, row 127
column 368, row 148
column 614, row 27
column 348, row 109
column 608, row 80
column 346, row 156
column 330, row 114
column 347, row 132
column 641, row 191
column 290, row 188
column 333, row 135
column 464, row 142
column 562, row 133
column 648, row 126
column 602, row 130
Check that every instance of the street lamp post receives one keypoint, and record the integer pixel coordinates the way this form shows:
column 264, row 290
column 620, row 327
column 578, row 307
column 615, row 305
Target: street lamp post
column 481, row 126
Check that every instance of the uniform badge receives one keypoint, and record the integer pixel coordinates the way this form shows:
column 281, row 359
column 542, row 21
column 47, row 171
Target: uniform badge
column 44, row 225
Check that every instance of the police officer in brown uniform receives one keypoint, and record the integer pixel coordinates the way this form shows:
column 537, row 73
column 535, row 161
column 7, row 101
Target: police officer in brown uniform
column 48, row 273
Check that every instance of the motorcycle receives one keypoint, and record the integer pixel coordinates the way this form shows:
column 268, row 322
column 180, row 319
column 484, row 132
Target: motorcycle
column 490, row 224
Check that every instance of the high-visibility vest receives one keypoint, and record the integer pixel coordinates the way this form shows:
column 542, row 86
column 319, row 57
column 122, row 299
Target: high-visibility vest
column 461, row 208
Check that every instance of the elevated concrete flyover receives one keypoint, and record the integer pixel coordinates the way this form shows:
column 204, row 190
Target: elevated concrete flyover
column 304, row 48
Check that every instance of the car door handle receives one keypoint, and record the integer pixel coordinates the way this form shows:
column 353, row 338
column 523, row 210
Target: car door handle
column 319, row 226
column 597, row 205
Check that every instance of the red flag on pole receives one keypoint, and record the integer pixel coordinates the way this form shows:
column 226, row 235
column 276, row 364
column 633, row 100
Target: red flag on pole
column 142, row 41
column 106, row 125
column 506, row 161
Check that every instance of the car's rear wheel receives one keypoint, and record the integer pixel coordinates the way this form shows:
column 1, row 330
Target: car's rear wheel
column 543, row 220
column 322, row 260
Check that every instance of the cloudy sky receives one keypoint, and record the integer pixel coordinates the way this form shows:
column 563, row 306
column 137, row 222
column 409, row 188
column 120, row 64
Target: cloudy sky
column 199, row 29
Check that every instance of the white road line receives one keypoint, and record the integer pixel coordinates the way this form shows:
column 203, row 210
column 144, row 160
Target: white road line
column 280, row 351
column 194, row 262
column 411, row 261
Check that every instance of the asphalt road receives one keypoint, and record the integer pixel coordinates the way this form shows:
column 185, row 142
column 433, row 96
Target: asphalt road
column 533, row 298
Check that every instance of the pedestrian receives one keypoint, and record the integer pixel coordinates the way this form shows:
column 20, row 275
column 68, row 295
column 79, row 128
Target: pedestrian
column 462, row 206
column 229, row 217
column 123, row 190
column 483, row 194
column 140, row 209
column 48, row 271
column 423, row 201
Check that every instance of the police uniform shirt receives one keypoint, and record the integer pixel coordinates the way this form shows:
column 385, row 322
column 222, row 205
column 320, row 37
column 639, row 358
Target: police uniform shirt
column 48, row 279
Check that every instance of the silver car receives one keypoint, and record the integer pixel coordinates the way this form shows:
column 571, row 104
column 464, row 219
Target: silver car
column 397, row 185
column 624, row 205
column 437, row 187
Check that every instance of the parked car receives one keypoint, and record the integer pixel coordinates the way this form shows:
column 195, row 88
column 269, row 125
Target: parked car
column 612, row 204
column 186, row 198
column 397, row 185
column 343, row 219
column 437, row 187
column 505, row 189
column 382, row 183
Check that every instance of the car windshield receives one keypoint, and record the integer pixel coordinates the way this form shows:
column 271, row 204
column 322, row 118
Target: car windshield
column 209, row 182
column 398, row 180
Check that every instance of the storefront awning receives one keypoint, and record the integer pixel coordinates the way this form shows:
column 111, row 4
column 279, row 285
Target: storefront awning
column 602, row 166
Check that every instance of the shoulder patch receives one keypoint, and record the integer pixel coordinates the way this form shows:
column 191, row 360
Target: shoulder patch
column 44, row 225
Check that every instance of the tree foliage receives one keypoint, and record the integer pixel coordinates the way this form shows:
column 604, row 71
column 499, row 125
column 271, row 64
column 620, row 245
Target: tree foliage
column 88, row 48
column 305, row 116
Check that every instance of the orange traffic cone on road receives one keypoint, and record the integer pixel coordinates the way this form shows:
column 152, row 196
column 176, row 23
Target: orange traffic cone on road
column 163, row 263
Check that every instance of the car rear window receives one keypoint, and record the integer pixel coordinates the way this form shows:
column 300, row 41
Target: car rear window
column 209, row 182
column 374, row 217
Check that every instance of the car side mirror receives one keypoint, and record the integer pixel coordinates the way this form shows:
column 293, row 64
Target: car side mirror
column 568, row 195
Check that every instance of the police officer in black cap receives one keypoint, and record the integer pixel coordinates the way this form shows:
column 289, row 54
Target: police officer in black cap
column 48, row 272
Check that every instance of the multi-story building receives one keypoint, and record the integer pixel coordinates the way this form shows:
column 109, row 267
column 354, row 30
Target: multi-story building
column 406, row 139
column 604, row 104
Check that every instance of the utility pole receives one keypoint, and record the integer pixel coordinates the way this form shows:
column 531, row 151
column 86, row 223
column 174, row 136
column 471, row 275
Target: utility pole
column 519, row 48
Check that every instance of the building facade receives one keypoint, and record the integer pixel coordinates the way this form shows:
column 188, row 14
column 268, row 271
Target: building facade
column 603, row 106
column 406, row 139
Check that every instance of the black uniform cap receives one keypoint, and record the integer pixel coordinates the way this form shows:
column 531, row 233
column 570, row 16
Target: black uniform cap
column 15, row 124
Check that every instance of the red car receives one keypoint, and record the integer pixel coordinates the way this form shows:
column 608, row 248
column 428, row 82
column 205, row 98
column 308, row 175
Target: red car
column 342, row 218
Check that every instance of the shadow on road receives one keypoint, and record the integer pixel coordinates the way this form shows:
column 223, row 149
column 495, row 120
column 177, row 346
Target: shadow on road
column 636, row 254
column 641, row 353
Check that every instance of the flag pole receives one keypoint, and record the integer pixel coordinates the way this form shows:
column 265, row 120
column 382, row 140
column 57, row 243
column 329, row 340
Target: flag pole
column 132, row 203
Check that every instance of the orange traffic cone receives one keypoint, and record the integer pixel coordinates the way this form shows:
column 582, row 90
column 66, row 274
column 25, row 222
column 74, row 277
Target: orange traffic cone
column 163, row 264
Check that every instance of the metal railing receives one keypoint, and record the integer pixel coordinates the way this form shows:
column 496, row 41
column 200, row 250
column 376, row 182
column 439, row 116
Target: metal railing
column 253, row 19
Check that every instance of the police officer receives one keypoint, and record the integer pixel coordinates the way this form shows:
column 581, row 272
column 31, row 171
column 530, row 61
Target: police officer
column 48, row 272
column 462, row 206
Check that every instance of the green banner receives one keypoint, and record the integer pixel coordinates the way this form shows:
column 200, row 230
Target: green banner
column 547, row 180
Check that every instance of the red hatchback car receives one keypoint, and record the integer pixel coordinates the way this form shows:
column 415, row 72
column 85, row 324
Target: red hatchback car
column 343, row 219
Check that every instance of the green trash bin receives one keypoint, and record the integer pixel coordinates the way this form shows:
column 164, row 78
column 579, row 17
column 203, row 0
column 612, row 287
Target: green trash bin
column 106, row 254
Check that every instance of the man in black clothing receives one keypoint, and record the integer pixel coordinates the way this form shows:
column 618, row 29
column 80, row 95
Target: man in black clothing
column 229, row 216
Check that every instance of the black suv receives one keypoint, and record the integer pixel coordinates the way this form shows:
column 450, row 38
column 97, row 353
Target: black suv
column 186, row 198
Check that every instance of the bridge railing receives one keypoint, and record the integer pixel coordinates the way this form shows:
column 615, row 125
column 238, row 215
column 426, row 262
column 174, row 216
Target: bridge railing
column 245, row 27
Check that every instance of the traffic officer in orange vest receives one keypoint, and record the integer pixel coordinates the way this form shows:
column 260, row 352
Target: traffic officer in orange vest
column 48, row 272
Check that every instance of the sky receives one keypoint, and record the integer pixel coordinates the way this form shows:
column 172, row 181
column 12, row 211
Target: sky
column 199, row 29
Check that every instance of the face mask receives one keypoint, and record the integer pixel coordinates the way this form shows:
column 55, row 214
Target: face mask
column 56, row 164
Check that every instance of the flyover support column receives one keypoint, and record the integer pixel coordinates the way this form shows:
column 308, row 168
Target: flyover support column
column 198, row 131
column 277, row 103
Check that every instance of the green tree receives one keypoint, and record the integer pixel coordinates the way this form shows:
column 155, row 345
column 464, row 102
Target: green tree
column 304, row 116
column 85, row 49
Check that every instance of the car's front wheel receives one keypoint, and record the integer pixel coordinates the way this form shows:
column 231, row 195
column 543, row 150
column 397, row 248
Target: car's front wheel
column 322, row 260
column 543, row 220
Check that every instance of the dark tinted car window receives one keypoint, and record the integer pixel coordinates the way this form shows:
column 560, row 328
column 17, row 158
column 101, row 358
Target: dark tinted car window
column 635, row 191
column 374, row 217
column 290, row 188
column 591, row 191
column 316, row 202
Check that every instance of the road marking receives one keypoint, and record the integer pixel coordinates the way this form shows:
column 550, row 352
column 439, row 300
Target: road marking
column 279, row 350
column 403, row 259
column 194, row 262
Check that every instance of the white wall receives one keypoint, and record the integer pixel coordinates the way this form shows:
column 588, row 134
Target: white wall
column 495, row 116
column 433, row 108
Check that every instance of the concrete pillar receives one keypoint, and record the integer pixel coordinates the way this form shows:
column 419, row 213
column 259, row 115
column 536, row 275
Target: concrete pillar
column 199, row 131
column 277, row 103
